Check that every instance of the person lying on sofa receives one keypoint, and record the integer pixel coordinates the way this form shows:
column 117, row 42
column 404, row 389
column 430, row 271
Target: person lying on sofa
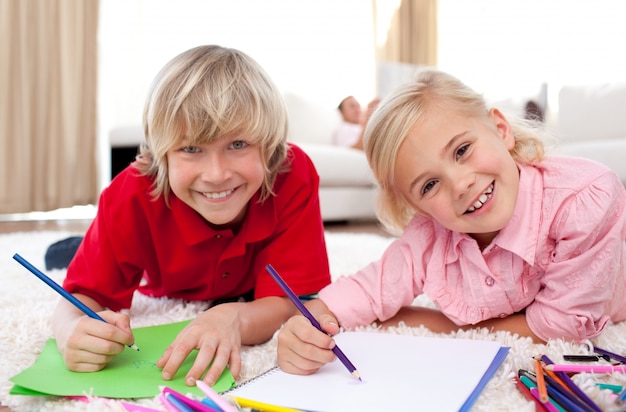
column 215, row 194
column 349, row 133
column 496, row 234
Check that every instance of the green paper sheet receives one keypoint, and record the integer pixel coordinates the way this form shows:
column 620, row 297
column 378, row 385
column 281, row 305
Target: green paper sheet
column 131, row 374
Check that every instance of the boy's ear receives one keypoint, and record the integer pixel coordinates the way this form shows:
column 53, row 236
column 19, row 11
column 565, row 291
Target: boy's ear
column 503, row 127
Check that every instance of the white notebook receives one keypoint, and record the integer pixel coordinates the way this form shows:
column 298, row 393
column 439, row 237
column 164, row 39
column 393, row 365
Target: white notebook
column 399, row 372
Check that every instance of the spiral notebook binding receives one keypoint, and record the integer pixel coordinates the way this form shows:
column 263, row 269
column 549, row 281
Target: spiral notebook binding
column 251, row 380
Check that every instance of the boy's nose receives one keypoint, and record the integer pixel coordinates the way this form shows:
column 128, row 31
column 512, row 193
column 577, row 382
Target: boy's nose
column 215, row 169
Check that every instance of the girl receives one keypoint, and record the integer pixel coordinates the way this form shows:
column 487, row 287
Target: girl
column 215, row 195
column 494, row 234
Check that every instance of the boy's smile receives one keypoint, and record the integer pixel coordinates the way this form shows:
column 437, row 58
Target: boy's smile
column 216, row 179
column 458, row 170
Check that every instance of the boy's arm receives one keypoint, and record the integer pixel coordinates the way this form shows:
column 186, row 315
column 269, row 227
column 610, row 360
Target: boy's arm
column 87, row 344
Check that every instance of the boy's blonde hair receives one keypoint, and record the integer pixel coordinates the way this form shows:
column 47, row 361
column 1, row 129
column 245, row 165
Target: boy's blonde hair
column 204, row 94
column 396, row 115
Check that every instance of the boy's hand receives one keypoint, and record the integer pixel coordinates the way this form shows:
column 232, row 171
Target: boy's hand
column 302, row 348
column 87, row 344
column 217, row 337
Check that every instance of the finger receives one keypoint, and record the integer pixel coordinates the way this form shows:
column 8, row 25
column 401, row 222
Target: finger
column 96, row 337
column 235, row 363
column 177, row 356
column 298, row 355
column 84, row 361
column 219, row 364
column 306, row 332
column 116, row 328
column 200, row 365
column 165, row 357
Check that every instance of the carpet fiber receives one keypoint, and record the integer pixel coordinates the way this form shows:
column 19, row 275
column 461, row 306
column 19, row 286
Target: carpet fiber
column 26, row 305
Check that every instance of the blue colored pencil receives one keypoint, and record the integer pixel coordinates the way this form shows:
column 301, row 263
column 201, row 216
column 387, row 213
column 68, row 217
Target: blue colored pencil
column 70, row 298
column 338, row 352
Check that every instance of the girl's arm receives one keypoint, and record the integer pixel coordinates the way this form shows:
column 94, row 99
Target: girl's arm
column 439, row 323
column 302, row 348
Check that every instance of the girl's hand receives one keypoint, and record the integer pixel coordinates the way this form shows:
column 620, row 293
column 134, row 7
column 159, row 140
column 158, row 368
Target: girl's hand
column 302, row 348
column 87, row 344
column 216, row 334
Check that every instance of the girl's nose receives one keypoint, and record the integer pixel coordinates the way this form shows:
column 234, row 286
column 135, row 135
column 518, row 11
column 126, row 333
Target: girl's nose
column 462, row 183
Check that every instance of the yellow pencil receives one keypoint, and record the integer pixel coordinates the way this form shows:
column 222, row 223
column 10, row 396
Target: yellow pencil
column 265, row 407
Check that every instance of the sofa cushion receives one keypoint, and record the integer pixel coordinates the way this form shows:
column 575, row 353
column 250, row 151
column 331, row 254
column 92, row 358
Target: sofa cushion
column 592, row 112
column 339, row 166
column 309, row 121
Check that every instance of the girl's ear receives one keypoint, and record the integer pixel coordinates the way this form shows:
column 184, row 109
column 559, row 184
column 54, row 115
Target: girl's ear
column 503, row 128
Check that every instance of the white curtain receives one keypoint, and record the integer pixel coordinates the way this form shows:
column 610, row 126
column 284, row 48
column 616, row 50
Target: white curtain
column 48, row 104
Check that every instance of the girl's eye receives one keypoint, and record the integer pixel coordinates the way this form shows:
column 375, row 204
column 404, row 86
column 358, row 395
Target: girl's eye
column 462, row 150
column 428, row 186
column 190, row 149
column 238, row 144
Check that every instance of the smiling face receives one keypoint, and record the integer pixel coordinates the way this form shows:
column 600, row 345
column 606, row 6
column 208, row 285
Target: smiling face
column 216, row 179
column 457, row 169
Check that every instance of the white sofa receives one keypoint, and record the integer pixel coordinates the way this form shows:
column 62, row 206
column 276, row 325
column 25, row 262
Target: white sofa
column 347, row 188
column 347, row 185
column 591, row 122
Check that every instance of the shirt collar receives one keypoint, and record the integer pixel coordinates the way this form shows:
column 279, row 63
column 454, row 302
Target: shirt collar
column 258, row 222
column 520, row 235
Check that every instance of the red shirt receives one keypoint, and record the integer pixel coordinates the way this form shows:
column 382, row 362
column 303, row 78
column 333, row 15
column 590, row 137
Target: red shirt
column 135, row 243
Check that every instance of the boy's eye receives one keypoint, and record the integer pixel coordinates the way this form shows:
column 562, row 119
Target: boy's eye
column 462, row 150
column 428, row 186
column 238, row 144
column 190, row 149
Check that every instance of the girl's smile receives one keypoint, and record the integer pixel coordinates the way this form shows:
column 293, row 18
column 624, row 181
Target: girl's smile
column 458, row 170
column 482, row 199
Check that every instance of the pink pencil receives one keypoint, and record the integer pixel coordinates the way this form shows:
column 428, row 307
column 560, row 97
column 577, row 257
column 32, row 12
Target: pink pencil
column 547, row 404
column 585, row 368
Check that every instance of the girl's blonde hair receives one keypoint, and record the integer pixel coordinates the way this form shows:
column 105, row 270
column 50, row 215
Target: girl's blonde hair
column 396, row 115
column 206, row 93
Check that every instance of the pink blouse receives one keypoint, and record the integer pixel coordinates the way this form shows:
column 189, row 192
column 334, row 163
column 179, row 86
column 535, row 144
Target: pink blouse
column 561, row 258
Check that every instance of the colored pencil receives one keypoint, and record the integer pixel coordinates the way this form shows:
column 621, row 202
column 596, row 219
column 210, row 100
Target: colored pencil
column 616, row 389
column 562, row 396
column 549, row 406
column 215, row 397
column 260, row 406
column 574, row 368
column 68, row 296
column 611, row 355
column 541, row 383
column 338, row 352
column 193, row 404
column 569, row 383
column 539, row 407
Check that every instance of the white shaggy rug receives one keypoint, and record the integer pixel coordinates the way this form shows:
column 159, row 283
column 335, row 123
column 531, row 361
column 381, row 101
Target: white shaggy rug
column 26, row 305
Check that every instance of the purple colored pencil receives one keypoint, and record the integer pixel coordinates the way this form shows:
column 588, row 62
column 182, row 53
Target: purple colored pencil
column 296, row 301
column 611, row 355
